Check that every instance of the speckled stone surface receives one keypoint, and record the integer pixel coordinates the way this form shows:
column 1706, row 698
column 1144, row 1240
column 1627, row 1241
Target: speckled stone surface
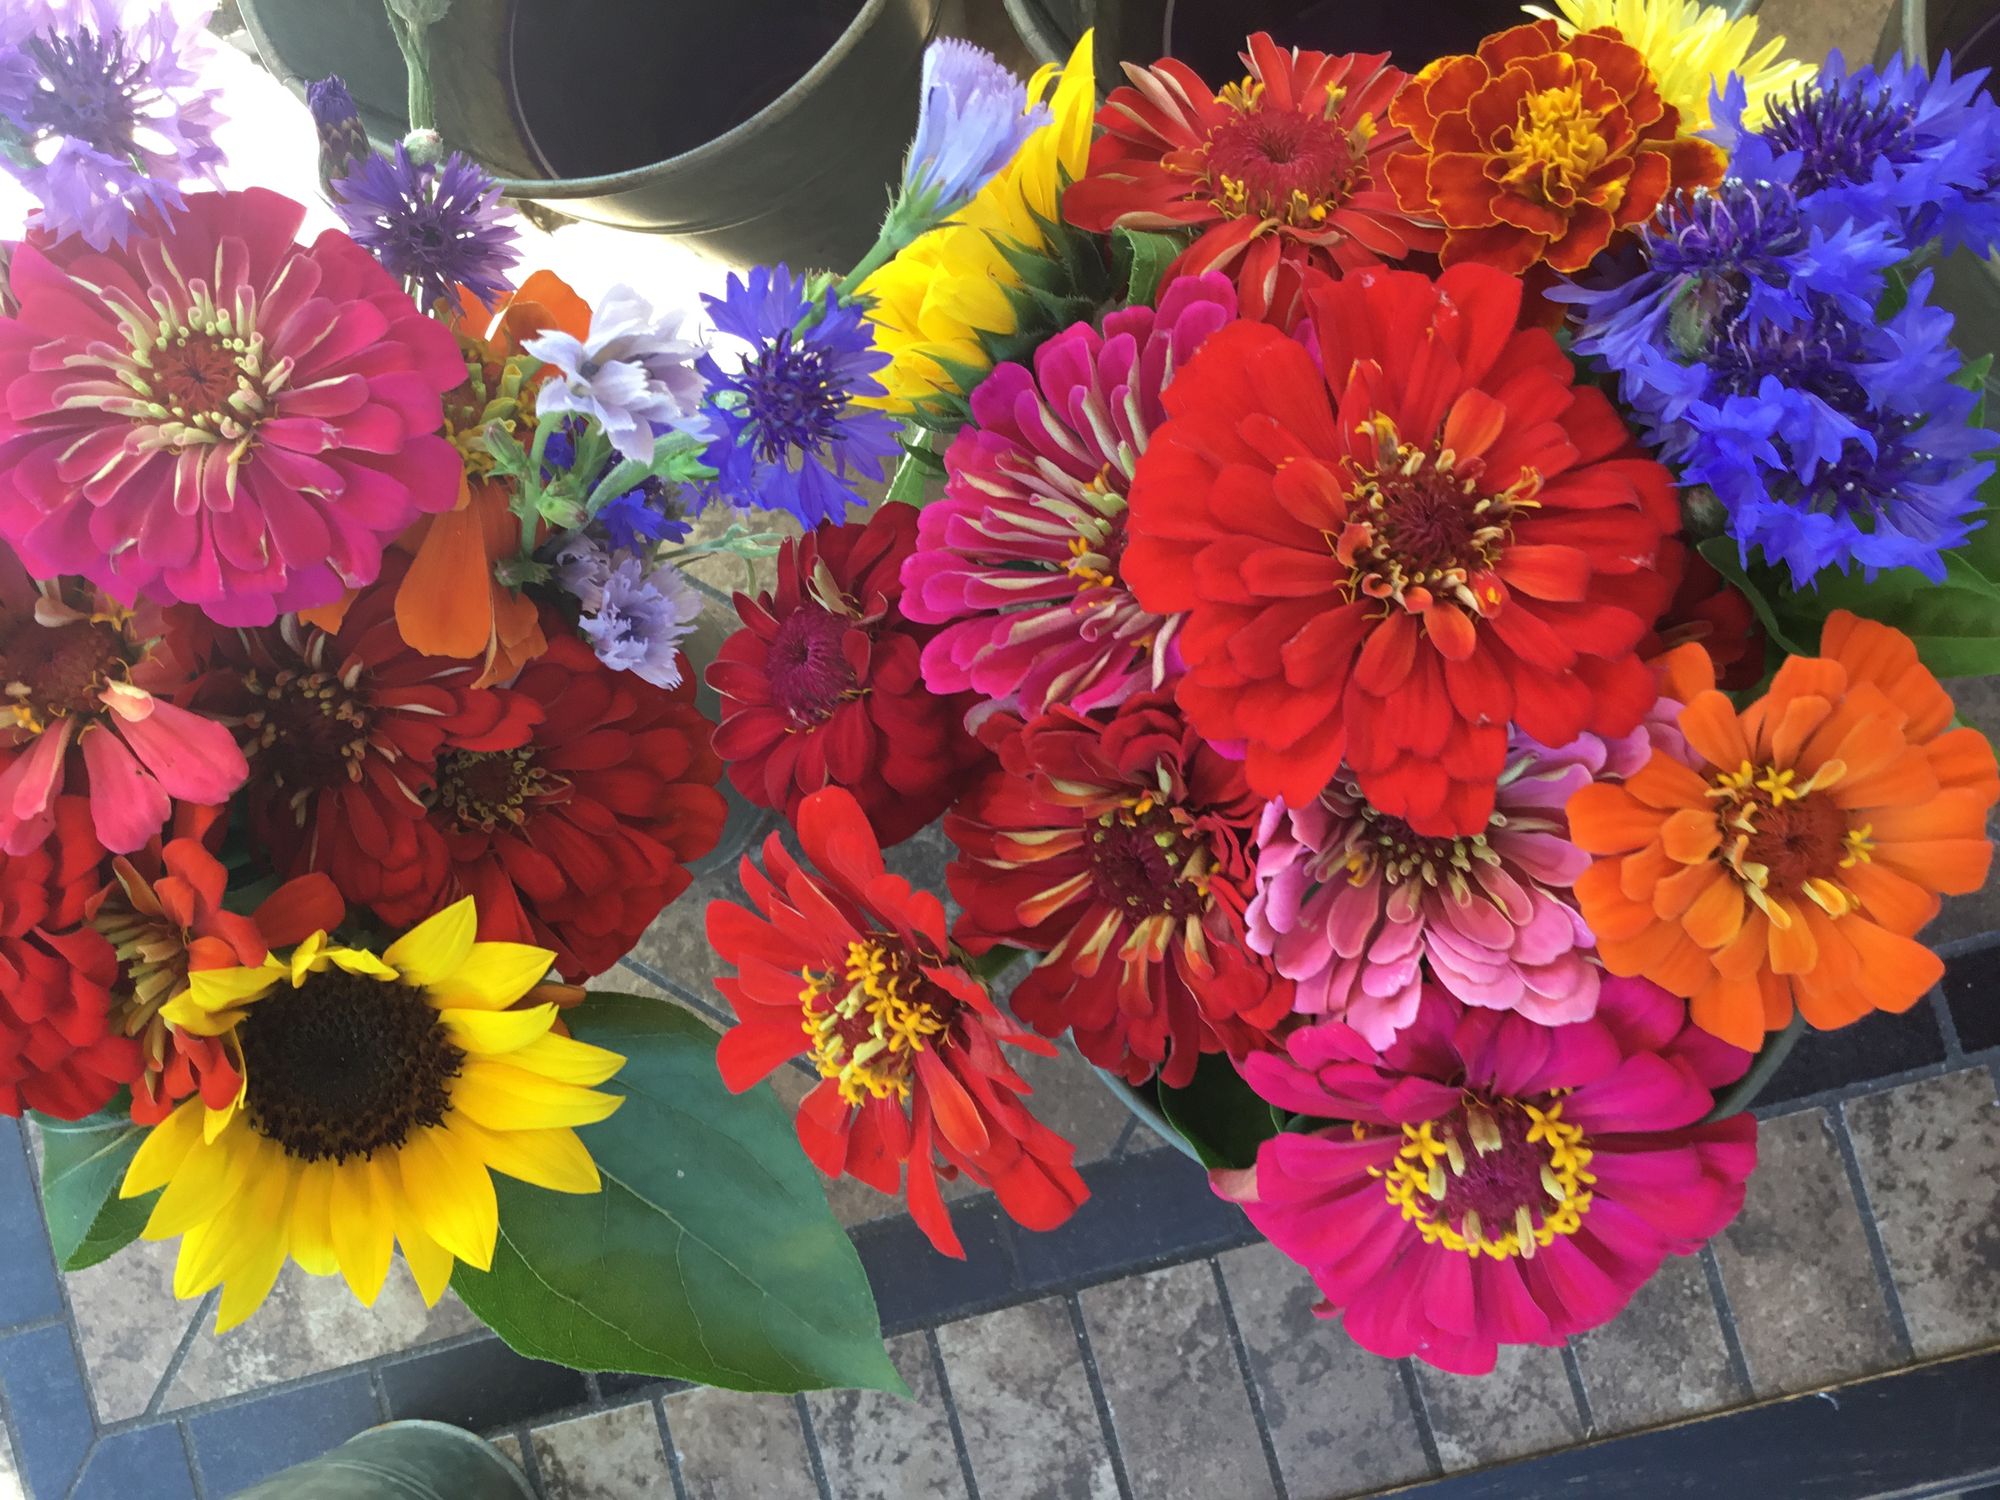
column 1157, row 1338
column 1339, row 1417
column 874, row 1446
column 1812, row 28
column 1925, row 1152
column 1025, row 1407
column 1663, row 1357
column 128, row 1325
column 613, row 1455
column 1525, row 1406
column 732, row 1446
column 1796, row 1268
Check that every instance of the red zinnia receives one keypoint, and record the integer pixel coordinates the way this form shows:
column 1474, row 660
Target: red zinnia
column 852, row 968
column 1393, row 559
column 1282, row 171
column 822, row 686
column 1119, row 847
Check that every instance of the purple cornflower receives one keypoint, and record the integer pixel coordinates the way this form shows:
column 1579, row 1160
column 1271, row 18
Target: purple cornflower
column 440, row 228
column 971, row 121
column 103, row 115
column 343, row 140
column 791, row 433
column 633, row 373
column 635, row 619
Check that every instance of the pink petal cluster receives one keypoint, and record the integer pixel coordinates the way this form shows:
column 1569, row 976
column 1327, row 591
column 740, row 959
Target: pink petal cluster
column 1351, row 903
column 214, row 414
column 1020, row 559
column 1426, row 1216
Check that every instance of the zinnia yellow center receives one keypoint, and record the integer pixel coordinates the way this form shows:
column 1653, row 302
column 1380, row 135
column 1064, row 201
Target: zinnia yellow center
column 1557, row 144
column 1782, row 837
column 868, row 1022
column 1498, row 1177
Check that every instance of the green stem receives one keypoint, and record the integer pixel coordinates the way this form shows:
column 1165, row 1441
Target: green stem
column 1743, row 1093
column 995, row 961
column 414, row 43
column 527, row 496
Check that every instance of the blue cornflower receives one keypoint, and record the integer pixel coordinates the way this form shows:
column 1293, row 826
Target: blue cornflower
column 972, row 119
column 634, row 618
column 343, row 140
column 789, row 434
column 439, row 227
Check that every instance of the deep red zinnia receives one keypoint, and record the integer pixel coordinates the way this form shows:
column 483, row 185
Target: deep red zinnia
column 852, row 968
column 1280, row 172
column 1392, row 560
column 822, row 686
column 1118, row 846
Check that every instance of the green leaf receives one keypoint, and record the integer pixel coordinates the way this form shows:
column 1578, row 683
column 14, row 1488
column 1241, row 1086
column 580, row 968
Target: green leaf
column 1218, row 1114
column 1955, row 624
column 710, row 1255
column 1141, row 260
column 83, row 1161
column 1722, row 555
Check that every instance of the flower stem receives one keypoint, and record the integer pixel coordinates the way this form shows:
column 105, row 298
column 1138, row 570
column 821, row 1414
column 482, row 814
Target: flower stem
column 995, row 961
column 413, row 41
column 1743, row 1093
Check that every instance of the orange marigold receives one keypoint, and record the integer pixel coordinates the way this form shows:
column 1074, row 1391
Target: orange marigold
column 1536, row 149
column 1790, row 855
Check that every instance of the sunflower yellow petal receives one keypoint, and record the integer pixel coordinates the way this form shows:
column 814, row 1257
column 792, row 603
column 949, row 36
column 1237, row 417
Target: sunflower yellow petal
column 567, row 1060
column 553, row 1159
column 357, row 961
column 206, row 1184
column 429, row 1262
column 491, row 1032
column 493, row 976
column 163, row 1150
column 363, row 1228
column 214, row 998
column 312, row 1219
column 250, row 1281
column 432, row 951
column 505, row 1098
column 308, row 958
column 451, row 1194
column 198, row 1265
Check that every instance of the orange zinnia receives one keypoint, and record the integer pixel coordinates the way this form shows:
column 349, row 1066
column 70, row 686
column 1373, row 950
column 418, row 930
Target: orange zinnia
column 1791, row 854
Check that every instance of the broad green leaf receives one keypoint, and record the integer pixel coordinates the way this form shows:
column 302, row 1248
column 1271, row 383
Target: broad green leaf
column 1955, row 624
column 83, row 1161
column 710, row 1255
column 1722, row 555
column 1142, row 259
column 1218, row 1114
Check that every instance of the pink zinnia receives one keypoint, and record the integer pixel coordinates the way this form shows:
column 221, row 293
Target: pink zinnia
column 216, row 415
column 1022, row 554
column 1350, row 902
column 82, row 675
column 1492, row 1181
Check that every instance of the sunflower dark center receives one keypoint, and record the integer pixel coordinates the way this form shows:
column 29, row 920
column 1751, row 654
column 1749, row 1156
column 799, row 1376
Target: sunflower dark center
column 1291, row 165
column 1146, row 862
column 345, row 1066
column 51, row 673
column 808, row 670
column 307, row 730
column 486, row 789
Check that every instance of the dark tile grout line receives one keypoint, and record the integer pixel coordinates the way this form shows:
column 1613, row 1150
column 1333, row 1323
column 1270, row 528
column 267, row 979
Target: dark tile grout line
column 678, row 990
column 1859, row 1088
column 156, row 1403
column 659, row 1404
column 1242, row 1353
column 194, row 1466
column 1099, row 1399
column 1125, row 1137
column 951, row 1414
column 1947, row 1027
column 380, row 1392
column 1578, row 1391
column 526, row 1444
column 33, row 1169
column 814, row 1461
column 1732, row 1343
column 1879, row 1256
column 1420, row 1416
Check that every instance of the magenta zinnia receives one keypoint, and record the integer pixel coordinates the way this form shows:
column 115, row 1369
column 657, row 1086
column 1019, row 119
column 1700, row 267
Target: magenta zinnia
column 217, row 415
column 1021, row 556
column 1490, row 1181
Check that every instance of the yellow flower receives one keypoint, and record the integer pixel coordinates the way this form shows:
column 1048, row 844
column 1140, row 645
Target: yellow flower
column 948, row 285
column 1690, row 48
column 377, row 1095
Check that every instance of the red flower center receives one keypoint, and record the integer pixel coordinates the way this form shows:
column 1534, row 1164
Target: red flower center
column 309, row 732
column 1496, row 1177
column 194, row 374
column 1289, row 165
column 1144, row 860
column 809, row 673
column 484, row 789
column 51, row 673
column 870, row 1019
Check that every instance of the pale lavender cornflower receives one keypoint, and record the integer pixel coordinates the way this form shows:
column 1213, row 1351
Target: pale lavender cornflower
column 634, row 374
column 635, row 619
column 972, row 119
column 103, row 115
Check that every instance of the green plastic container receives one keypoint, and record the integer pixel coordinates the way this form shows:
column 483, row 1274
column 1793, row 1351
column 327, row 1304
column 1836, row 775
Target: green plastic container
column 402, row 1461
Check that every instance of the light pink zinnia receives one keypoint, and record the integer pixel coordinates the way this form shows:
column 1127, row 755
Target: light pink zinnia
column 1492, row 1181
column 1350, row 902
column 1021, row 555
column 216, row 415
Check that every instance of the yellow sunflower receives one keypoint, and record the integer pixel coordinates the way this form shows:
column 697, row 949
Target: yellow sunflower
column 948, row 285
column 1690, row 48
column 377, row 1095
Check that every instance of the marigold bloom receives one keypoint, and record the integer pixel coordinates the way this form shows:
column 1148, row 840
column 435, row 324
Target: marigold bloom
column 379, row 1093
column 1118, row 848
column 1280, row 172
column 1391, row 553
column 949, row 286
column 852, row 968
column 1500, row 1182
column 1790, row 856
column 821, row 686
column 217, row 415
column 1538, row 148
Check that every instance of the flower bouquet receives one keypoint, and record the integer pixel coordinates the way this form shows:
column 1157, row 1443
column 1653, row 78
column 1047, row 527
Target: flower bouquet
column 1417, row 601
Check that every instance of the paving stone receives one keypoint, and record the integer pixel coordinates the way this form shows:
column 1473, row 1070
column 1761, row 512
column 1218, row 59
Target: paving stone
column 148, row 1464
column 128, row 1325
column 1525, row 1406
column 676, row 944
column 27, row 1275
column 1930, row 1155
column 1072, row 1099
column 480, row 1385
column 46, row 1403
column 732, row 1446
column 1663, row 1357
column 310, row 1324
column 1157, row 1337
column 1025, row 1407
column 1339, row 1417
column 237, row 1445
column 1796, row 1268
column 874, row 1446
column 610, row 1455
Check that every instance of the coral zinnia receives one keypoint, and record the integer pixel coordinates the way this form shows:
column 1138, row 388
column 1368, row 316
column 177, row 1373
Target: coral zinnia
column 379, row 1093
column 1355, row 906
column 1391, row 560
column 216, row 415
column 852, row 968
column 821, row 687
column 1021, row 556
column 1500, row 1182
column 1118, row 848
column 1539, row 148
column 1790, row 859
column 58, row 1050
column 80, row 674
column 1280, row 172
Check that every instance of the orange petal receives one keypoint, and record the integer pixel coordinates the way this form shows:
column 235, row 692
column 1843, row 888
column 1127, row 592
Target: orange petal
column 1791, row 944
column 1606, row 819
column 1903, row 779
column 1691, row 835
column 445, row 605
column 1664, row 782
column 1685, row 673
column 1712, row 728
column 1964, row 758
column 1900, row 970
column 1680, row 890
column 329, row 616
column 1716, row 915
column 1732, row 1009
column 1897, row 903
